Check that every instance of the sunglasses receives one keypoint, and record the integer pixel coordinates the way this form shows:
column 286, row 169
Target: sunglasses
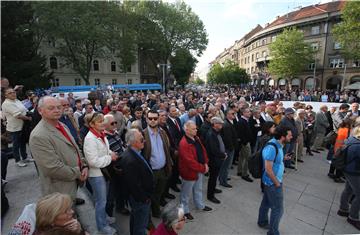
column 113, row 123
column 153, row 118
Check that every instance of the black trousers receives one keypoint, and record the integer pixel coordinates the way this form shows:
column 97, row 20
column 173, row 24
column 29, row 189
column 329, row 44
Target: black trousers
column 213, row 176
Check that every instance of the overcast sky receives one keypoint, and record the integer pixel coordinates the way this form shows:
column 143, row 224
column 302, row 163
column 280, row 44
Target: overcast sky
column 229, row 20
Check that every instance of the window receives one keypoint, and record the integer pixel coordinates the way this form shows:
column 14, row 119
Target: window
column 129, row 81
column 263, row 42
column 356, row 63
column 97, row 81
column 337, row 46
column 53, row 63
column 248, row 59
column 257, row 55
column 252, row 69
column 273, row 38
column 96, row 65
column 315, row 30
column 252, row 58
column 257, row 43
column 114, row 81
column 55, row 82
column 253, row 46
column 77, row 81
column 52, row 42
column 245, row 61
column 336, row 63
column 315, row 46
column 264, row 54
column 312, row 66
column 113, row 66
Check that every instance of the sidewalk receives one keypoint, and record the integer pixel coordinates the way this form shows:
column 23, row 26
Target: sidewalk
column 311, row 203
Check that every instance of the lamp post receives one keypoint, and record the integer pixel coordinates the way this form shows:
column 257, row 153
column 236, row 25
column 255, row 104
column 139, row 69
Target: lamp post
column 163, row 66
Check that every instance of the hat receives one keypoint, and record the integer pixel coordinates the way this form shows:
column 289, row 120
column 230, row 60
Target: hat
column 216, row 120
column 289, row 111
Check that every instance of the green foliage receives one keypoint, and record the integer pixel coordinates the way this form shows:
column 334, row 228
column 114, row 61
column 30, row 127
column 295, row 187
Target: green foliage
column 230, row 73
column 85, row 31
column 182, row 65
column 290, row 53
column 199, row 81
column 20, row 62
column 164, row 28
column 347, row 33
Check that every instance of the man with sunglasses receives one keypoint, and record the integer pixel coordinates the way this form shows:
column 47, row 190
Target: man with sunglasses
column 157, row 152
column 118, row 116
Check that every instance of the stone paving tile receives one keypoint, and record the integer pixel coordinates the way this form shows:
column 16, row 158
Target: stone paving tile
column 311, row 201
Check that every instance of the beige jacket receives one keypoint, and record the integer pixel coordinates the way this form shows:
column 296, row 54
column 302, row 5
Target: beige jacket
column 56, row 159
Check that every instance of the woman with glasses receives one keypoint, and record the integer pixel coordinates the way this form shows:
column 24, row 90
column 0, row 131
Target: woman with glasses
column 99, row 155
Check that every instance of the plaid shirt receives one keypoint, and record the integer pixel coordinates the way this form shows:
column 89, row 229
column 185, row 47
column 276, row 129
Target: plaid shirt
column 115, row 142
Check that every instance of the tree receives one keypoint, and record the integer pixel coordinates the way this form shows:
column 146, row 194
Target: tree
column 164, row 28
column 230, row 73
column 199, row 81
column 20, row 62
column 85, row 31
column 347, row 33
column 290, row 53
column 182, row 65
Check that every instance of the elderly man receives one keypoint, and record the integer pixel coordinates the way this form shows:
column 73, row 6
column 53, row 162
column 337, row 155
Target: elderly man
column 288, row 122
column 299, row 122
column 217, row 154
column 193, row 164
column 68, row 119
column 15, row 114
column 320, row 128
column 139, row 182
column 355, row 110
column 157, row 152
column 119, row 117
column 61, row 165
column 191, row 115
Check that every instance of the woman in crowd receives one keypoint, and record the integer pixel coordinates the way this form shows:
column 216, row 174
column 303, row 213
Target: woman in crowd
column 99, row 155
column 173, row 220
column 352, row 186
column 342, row 135
column 54, row 215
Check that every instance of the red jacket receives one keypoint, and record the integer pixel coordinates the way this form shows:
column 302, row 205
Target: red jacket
column 189, row 167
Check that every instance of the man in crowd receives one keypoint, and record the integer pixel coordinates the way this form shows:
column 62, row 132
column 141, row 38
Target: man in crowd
column 138, row 115
column 139, row 182
column 288, row 122
column 300, row 126
column 216, row 151
column 68, row 119
column 273, row 199
column 157, row 152
column 62, row 167
column 193, row 164
column 119, row 118
column 191, row 115
column 229, row 137
column 355, row 110
column 320, row 128
column 244, row 133
column 15, row 114
column 340, row 115
column 88, row 109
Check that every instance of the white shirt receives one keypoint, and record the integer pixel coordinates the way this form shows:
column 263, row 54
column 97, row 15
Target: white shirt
column 11, row 109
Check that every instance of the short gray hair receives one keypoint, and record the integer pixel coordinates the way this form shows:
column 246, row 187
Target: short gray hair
column 42, row 100
column 171, row 214
column 188, row 123
column 130, row 136
column 107, row 117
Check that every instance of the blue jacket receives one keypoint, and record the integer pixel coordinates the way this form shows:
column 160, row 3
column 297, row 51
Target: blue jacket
column 353, row 156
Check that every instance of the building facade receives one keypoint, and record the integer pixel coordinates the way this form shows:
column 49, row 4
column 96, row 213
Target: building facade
column 329, row 70
column 104, row 71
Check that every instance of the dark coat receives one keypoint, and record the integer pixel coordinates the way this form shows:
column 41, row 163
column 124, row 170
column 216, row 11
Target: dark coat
column 138, row 178
column 212, row 144
column 244, row 131
column 229, row 135
column 290, row 123
column 254, row 129
column 175, row 133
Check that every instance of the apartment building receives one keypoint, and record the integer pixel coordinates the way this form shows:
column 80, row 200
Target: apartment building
column 329, row 70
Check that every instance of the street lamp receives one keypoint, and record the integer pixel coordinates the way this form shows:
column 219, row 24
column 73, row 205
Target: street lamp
column 168, row 66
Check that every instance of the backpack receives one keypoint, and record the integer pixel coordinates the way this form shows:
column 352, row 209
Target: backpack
column 339, row 160
column 255, row 163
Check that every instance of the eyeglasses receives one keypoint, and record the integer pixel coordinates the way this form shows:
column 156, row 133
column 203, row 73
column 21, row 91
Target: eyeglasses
column 113, row 123
column 182, row 219
column 153, row 118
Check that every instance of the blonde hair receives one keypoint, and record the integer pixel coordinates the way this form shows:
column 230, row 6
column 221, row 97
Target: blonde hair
column 95, row 117
column 356, row 132
column 49, row 207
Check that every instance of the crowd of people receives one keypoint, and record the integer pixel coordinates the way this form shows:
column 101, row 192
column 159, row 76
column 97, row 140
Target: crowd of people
column 131, row 150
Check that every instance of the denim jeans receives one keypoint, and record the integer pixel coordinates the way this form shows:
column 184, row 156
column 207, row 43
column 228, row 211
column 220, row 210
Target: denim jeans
column 139, row 218
column 272, row 199
column 352, row 187
column 99, row 187
column 19, row 146
column 225, row 167
column 196, row 188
